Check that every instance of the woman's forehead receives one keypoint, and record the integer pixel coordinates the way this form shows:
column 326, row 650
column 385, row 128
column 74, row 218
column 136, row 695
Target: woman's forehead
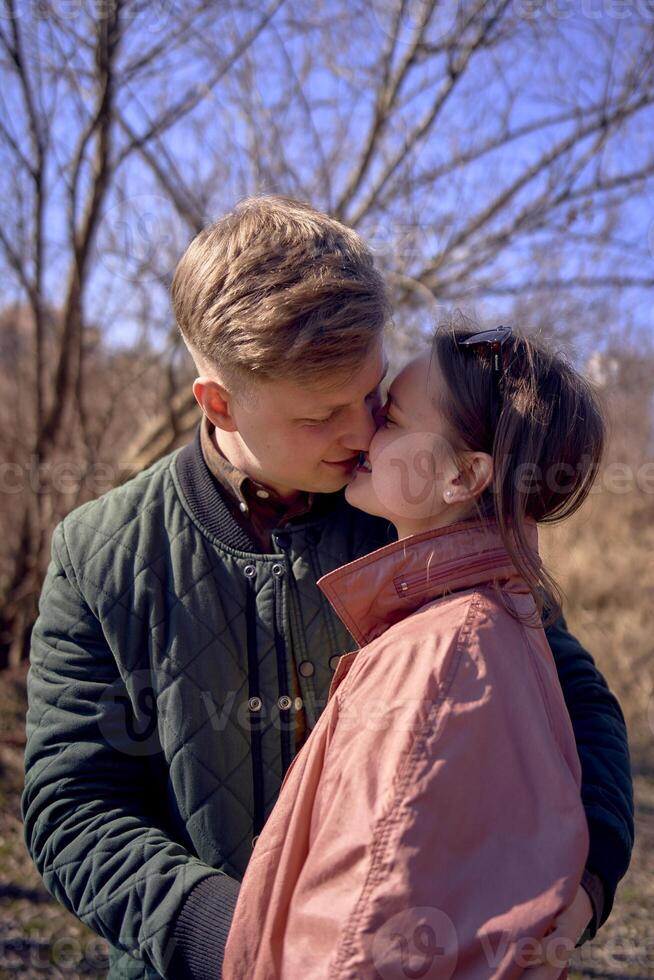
column 413, row 387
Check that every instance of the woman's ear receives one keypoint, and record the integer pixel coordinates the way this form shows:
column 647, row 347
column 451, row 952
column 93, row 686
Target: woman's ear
column 475, row 475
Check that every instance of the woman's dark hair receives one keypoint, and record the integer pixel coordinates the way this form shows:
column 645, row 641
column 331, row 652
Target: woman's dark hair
column 546, row 435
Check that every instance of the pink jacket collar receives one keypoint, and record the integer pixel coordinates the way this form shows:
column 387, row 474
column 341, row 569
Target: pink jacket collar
column 379, row 589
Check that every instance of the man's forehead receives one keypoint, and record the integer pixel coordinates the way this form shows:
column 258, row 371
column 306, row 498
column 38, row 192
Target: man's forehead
column 367, row 378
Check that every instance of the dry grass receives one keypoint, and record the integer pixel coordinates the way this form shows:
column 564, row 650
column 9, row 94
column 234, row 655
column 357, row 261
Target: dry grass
column 604, row 559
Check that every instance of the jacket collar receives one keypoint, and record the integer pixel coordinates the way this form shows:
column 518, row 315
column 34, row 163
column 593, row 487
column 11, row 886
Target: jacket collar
column 379, row 589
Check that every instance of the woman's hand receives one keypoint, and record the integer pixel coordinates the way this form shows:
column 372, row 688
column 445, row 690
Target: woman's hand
column 564, row 934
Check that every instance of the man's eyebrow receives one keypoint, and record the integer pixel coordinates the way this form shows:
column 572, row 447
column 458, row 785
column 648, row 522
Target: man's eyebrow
column 337, row 408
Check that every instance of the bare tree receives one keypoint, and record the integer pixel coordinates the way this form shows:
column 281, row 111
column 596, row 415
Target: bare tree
column 494, row 152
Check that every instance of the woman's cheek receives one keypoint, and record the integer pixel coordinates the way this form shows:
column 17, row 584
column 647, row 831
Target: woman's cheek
column 404, row 476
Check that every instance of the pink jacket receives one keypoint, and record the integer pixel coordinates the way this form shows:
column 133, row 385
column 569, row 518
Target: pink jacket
column 431, row 826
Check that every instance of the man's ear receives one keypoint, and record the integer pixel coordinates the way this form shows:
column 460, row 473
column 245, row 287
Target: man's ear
column 216, row 403
column 476, row 474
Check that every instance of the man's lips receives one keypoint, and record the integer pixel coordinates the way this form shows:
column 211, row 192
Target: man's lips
column 350, row 461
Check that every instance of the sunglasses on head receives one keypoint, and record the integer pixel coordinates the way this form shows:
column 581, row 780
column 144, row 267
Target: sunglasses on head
column 493, row 340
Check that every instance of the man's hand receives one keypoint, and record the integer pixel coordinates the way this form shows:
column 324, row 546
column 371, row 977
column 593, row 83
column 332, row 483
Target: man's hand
column 549, row 961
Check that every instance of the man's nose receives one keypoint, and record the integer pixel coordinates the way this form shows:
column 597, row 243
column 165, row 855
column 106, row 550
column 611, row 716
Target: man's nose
column 362, row 429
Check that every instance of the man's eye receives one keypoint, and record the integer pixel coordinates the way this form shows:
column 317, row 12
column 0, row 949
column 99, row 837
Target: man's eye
column 316, row 421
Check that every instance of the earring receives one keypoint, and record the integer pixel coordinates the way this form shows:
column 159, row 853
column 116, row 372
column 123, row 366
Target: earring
column 448, row 494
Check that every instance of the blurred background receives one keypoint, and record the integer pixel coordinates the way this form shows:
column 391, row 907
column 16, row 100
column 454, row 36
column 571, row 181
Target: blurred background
column 498, row 155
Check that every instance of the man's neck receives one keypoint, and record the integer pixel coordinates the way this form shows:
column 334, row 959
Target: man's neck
column 230, row 449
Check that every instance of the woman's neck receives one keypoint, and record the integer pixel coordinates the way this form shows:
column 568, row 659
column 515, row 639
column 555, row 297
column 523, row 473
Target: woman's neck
column 452, row 515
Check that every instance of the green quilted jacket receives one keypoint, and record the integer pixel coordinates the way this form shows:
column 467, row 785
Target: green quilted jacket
column 160, row 717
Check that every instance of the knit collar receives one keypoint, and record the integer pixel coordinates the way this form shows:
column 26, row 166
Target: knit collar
column 379, row 589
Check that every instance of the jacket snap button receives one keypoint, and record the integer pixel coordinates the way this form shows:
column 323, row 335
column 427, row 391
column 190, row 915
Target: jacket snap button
column 255, row 704
column 284, row 703
column 306, row 668
column 250, row 570
column 297, row 704
column 333, row 661
column 278, row 570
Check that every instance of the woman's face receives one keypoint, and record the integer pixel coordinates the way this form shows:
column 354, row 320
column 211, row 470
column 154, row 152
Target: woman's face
column 414, row 477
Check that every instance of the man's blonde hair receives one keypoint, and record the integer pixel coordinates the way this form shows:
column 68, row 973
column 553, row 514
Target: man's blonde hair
column 277, row 289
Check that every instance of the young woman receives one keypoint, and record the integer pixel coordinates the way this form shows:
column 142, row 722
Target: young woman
column 432, row 825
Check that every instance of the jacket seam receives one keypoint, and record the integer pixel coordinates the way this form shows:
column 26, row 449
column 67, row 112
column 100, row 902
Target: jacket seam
column 66, row 562
column 114, row 536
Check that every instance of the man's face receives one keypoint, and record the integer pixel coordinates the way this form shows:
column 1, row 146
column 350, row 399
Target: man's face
column 307, row 437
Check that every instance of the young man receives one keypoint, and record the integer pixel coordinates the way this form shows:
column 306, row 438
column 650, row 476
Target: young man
column 182, row 650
